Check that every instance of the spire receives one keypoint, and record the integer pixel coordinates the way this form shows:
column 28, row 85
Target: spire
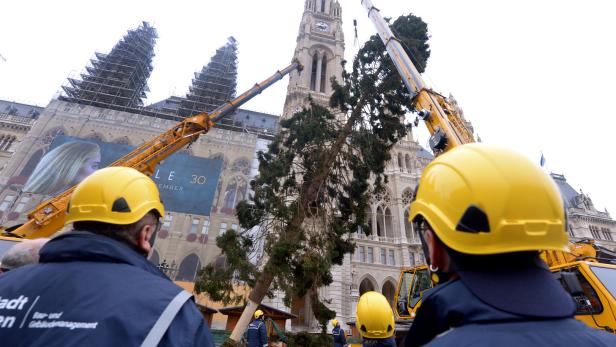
column 117, row 80
column 215, row 84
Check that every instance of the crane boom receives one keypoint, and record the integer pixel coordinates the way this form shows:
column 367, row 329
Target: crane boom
column 445, row 124
column 49, row 216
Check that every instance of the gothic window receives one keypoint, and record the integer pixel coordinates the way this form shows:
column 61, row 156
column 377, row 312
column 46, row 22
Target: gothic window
column 389, row 230
column 407, row 195
column 323, row 73
column 241, row 165
column 188, row 268
column 313, row 73
column 594, row 231
column 407, row 225
column 380, row 222
column 322, row 5
column 51, row 135
column 407, row 160
column 235, row 192
column 400, row 164
column 607, row 235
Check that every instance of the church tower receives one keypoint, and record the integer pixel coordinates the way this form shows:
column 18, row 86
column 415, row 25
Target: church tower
column 320, row 49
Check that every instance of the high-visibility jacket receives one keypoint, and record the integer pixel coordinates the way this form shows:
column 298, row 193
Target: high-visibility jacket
column 257, row 333
column 339, row 337
column 451, row 315
column 90, row 290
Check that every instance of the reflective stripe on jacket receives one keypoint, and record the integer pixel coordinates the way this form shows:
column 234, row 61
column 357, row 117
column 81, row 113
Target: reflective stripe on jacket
column 450, row 315
column 90, row 290
column 257, row 333
column 339, row 337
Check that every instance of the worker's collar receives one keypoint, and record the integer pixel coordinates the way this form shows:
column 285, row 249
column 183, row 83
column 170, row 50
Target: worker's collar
column 86, row 246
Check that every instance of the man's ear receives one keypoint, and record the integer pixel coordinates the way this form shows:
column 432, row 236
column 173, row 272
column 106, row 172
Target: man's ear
column 144, row 236
column 438, row 254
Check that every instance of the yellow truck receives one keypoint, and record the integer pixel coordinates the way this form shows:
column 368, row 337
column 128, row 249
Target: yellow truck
column 587, row 272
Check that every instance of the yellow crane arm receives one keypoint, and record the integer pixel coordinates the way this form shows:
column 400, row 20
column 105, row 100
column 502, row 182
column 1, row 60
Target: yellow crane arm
column 445, row 124
column 49, row 216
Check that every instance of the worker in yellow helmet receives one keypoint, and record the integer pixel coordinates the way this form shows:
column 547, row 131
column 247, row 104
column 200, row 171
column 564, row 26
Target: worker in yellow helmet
column 375, row 321
column 483, row 213
column 257, row 332
column 94, row 285
column 338, row 334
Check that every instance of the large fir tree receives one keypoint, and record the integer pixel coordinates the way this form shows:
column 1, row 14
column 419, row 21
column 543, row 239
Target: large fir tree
column 315, row 183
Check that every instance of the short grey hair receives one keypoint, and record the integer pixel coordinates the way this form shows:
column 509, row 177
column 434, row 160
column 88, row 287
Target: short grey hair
column 23, row 253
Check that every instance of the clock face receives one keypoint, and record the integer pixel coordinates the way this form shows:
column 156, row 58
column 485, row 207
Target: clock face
column 322, row 26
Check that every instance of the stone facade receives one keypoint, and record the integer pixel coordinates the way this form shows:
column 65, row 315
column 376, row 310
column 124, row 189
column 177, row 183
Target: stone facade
column 584, row 220
column 186, row 241
column 16, row 120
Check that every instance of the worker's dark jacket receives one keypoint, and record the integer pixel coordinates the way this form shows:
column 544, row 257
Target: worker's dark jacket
column 339, row 337
column 257, row 333
column 390, row 342
column 90, row 290
column 450, row 315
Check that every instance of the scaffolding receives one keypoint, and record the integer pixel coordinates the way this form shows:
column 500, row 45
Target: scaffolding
column 215, row 84
column 117, row 80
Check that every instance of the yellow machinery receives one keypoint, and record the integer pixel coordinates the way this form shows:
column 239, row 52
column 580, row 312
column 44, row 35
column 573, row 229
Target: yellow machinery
column 584, row 267
column 588, row 273
column 48, row 217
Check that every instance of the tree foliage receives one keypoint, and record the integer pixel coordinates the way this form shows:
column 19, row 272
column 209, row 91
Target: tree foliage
column 316, row 180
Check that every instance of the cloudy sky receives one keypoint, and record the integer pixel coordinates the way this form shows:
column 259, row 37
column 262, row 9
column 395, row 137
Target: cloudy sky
column 531, row 75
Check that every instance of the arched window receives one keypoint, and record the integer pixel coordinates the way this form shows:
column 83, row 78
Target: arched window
column 322, row 5
column 188, row 268
column 389, row 229
column 407, row 225
column 380, row 222
column 235, row 192
column 407, row 160
column 313, row 72
column 366, row 286
column 323, row 73
column 400, row 164
column 389, row 291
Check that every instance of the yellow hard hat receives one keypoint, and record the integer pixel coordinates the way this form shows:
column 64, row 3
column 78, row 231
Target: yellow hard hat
column 115, row 195
column 375, row 319
column 484, row 199
column 334, row 322
column 258, row 314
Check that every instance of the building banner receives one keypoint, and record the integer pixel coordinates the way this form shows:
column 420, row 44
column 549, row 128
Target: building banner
column 187, row 184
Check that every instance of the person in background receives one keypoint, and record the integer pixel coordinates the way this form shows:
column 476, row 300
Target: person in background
column 22, row 253
column 375, row 321
column 257, row 332
column 93, row 285
column 338, row 334
column 483, row 213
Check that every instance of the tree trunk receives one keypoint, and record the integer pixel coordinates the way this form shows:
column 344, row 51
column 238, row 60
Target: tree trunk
column 309, row 194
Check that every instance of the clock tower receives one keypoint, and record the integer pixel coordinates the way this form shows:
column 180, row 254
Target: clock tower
column 320, row 49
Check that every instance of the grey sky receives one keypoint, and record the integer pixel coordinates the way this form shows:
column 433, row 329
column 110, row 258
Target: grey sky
column 530, row 75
